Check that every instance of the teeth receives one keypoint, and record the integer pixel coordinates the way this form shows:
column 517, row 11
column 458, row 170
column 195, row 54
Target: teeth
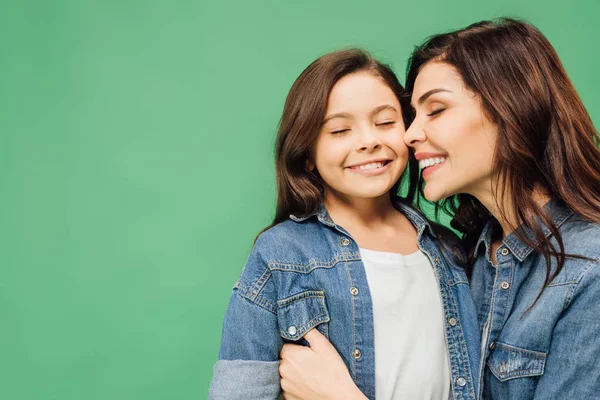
column 371, row 166
column 431, row 161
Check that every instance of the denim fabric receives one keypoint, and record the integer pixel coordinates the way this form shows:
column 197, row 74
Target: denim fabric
column 551, row 351
column 306, row 273
column 236, row 377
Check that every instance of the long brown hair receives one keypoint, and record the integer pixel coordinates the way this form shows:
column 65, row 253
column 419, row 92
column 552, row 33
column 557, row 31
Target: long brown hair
column 300, row 191
column 546, row 138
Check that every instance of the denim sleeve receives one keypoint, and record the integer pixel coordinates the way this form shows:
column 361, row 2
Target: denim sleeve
column 248, row 366
column 572, row 370
column 242, row 380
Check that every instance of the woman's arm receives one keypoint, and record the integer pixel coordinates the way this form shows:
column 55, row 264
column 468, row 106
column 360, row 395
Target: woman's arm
column 316, row 372
column 572, row 370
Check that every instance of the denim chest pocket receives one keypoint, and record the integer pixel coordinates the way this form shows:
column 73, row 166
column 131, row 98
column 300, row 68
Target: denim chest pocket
column 509, row 362
column 302, row 312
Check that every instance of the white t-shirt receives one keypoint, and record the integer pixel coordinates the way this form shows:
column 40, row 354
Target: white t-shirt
column 411, row 358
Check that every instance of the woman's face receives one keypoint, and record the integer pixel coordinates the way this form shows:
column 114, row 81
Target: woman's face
column 359, row 152
column 453, row 139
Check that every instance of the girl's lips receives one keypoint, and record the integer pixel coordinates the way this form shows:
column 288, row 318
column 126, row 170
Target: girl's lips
column 376, row 160
column 371, row 172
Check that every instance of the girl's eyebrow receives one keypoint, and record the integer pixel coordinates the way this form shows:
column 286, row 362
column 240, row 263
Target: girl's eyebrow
column 347, row 115
column 383, row 107
column 338, row 115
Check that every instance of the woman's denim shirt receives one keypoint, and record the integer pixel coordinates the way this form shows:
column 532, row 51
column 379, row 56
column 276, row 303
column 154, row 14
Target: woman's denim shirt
column 551, row 351
column 306, row 273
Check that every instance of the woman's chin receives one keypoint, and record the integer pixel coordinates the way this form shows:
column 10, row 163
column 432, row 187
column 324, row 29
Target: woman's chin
column 434, row 194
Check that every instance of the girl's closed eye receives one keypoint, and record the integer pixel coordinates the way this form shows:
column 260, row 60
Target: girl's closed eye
column 339, row 131
column 386, row 123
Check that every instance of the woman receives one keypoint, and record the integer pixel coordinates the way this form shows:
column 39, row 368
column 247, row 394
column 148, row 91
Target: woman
column 521, row 173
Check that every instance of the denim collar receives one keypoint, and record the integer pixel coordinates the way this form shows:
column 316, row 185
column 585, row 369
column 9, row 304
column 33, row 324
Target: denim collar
column 321, row 214
column 559, row 213
column 415, row 217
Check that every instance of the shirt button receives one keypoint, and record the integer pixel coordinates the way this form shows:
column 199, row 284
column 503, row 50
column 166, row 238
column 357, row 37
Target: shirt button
column 504, row 251
column 492, row 345
column 452, row 321
column 356, row 354
column 345, row 242
column 292, row 330
column 461, row 381
column 505, row 285
column 354, row 291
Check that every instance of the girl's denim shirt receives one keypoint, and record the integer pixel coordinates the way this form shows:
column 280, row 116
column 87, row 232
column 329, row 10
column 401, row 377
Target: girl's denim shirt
column 550, row 350
column 307, row 273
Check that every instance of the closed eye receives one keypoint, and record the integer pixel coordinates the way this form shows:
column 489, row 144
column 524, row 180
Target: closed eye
column 386, row 123
column 435, row 112
column 339, row 131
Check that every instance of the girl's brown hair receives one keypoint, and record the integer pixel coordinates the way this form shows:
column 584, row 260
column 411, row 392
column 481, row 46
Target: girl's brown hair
column 300, row 191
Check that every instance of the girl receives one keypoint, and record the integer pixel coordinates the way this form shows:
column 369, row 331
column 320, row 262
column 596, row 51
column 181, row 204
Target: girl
column 346, row 255
column 521, row 171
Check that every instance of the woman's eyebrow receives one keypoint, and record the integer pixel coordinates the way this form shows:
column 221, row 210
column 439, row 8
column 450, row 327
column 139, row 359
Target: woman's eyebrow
column 426, row 95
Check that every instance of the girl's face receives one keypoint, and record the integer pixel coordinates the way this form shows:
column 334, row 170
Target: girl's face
column 359, row 152
column 453, row 139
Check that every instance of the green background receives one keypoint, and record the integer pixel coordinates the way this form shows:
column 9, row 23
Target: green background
column 136, row 168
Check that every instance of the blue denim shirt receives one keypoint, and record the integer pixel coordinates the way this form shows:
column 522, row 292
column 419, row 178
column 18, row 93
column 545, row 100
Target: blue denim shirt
column 306, row 273
column 553, row 350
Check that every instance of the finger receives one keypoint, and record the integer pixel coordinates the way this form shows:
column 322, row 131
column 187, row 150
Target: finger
column 288, row 396
column 287, row 388
column 316, row 340
column 289, row 349
column 283, row 366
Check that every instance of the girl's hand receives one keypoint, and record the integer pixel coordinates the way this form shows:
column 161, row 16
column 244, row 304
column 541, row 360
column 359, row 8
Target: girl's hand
column 316, row 372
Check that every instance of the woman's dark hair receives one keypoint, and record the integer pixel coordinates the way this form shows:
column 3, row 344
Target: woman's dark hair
column 300, row 191
column 546, row 139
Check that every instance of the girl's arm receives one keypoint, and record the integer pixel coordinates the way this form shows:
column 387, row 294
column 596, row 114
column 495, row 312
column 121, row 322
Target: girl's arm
column 316, row 372
column 250, row 343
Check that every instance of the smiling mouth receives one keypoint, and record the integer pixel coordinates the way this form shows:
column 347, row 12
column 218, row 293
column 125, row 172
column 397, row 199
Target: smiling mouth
column 370, row 166
column 431, row 162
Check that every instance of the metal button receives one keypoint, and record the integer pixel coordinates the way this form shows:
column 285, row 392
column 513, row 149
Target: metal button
column 492, row 345
column 437, row 260
column 461, row 381
column 502, row 367
column 504, row 251
column 345, row 242
column 354, row 291
column 292, row 330
column 505, row 285
column 452, row 321
column 356, row 354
